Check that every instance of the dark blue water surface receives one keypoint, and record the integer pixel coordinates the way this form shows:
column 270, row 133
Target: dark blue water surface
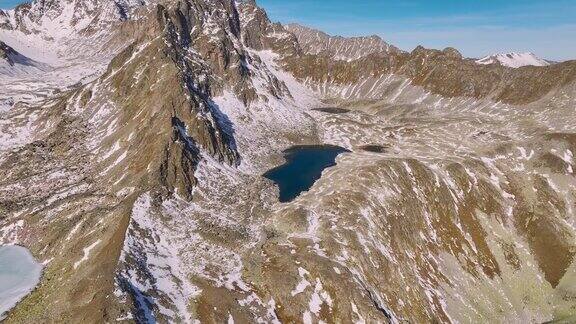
column 303, row 167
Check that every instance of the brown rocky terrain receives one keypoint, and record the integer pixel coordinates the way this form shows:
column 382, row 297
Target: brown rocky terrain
column 137, row 181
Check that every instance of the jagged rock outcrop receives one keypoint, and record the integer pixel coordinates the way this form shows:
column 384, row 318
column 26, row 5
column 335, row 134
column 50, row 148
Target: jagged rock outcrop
column 259, row 33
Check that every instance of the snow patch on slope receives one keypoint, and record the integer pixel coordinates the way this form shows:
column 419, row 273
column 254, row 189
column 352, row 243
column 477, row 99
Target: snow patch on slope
column 151, row 268
column 13, row 63
column 256, row 127
column 514, row 60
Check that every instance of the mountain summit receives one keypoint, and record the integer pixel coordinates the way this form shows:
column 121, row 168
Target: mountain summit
column 514, row 60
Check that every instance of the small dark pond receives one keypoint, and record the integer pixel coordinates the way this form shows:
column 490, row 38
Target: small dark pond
column 332, row 110
column 374, row 148
column 303, row 167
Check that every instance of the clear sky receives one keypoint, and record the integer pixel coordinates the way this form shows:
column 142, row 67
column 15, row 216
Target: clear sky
column 475, row 27
column 7, row 4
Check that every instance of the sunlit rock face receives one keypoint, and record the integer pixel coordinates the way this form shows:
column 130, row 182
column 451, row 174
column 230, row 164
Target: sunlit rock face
column 132, row 159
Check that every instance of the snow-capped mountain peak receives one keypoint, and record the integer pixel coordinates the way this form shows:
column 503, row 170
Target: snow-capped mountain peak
column 514, row 60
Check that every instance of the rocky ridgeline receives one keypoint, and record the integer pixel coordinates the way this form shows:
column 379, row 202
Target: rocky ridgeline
column 444, row 72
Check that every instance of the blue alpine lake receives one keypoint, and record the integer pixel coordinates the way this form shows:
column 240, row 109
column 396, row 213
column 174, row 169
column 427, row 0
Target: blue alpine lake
column 303, row 167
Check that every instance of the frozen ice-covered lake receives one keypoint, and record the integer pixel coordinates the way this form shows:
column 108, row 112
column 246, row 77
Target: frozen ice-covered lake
column 19, row 274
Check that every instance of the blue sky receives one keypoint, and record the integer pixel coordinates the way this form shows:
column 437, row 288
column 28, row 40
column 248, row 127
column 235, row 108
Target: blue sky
column 7, row 4
column 475, row 27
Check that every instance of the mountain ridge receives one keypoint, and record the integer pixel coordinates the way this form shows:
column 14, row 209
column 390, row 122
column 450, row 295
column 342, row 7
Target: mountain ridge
column 338, row 47
column 439, row 71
